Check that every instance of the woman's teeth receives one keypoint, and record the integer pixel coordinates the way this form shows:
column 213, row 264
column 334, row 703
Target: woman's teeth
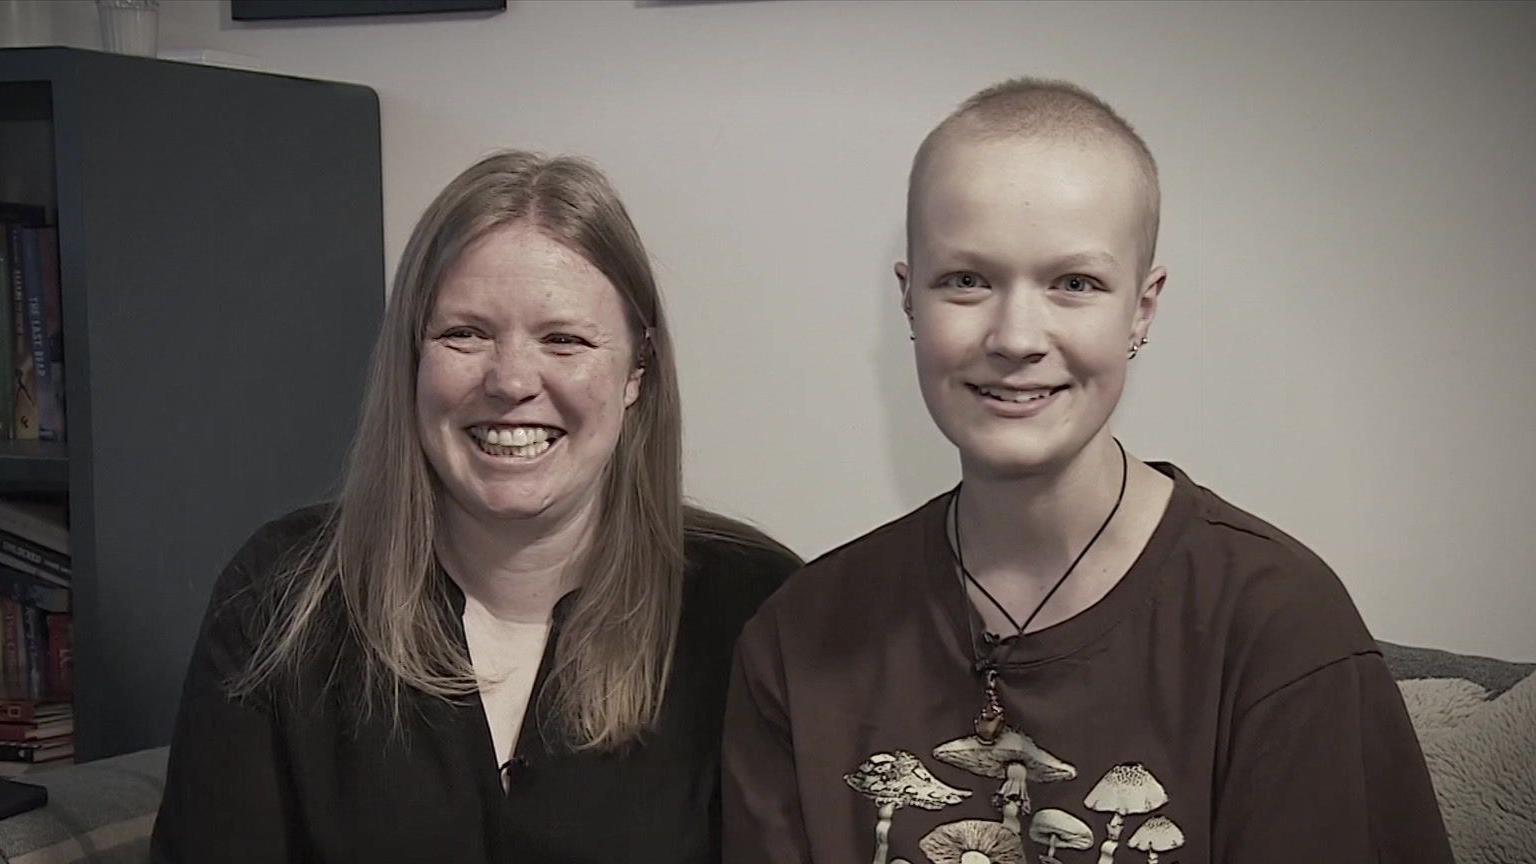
column 523, row 441
column 1005, row 394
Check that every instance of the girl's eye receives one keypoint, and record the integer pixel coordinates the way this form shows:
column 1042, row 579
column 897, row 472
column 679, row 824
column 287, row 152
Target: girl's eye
column 964, row 281
column 1078, row 284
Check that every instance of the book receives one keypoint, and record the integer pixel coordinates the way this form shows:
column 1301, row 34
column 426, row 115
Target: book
column 34, row 649
column 33, row 711
column 44, row 524
column 37, row 751
column 60, row 683
column 33, row 570
column 35, row 554
column 48, row 350
column 34, row 249
column 29, row 590
column 24, row 379
column 37, row 731
column 7, row 393
column 11, row 675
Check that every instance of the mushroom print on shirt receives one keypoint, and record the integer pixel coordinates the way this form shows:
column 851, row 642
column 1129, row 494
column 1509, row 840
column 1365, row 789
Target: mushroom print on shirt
column 899, row 779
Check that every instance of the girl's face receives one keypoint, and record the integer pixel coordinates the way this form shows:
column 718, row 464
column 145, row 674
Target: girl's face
column 1025, row 295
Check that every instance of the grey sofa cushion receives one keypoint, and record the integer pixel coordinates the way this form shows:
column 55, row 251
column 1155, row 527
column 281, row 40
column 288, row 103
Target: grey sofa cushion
column 1407, row 663
column 101, row 811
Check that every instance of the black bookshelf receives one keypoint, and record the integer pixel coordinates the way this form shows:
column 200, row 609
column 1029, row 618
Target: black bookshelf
column 221, row 257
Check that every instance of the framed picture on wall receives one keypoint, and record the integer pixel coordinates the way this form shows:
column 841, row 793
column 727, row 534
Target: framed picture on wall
column 270, row 10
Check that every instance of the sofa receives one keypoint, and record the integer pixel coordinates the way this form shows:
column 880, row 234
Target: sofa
column 1475, row 718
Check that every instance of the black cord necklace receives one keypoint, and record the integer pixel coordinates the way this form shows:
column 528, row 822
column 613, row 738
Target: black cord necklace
column 990, row 720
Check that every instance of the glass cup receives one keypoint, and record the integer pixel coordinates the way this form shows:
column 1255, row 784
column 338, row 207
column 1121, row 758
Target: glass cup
column 129, row 26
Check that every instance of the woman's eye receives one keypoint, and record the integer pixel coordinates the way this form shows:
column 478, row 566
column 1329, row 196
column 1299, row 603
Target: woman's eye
column 965, row 281
column 566, row 340
column 457, row 334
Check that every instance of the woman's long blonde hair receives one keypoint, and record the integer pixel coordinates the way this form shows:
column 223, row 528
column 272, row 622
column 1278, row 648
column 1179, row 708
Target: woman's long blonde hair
column 375, row 554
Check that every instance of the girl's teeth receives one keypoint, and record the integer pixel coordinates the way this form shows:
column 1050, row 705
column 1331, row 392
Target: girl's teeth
column 1015, row 395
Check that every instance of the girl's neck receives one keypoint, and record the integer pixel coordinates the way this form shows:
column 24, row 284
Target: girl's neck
column 1037, row 524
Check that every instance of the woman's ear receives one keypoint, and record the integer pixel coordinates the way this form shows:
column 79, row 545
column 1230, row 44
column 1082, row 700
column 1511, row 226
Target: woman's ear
column 906, row 289
column 1147, row 299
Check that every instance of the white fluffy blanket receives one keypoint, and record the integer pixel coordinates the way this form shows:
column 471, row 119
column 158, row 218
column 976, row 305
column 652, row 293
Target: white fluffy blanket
column 1482, row 756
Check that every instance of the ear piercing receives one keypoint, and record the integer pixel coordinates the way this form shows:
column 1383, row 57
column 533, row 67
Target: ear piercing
column 1135, row 348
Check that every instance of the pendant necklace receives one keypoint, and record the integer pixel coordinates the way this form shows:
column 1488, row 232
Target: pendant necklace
column 990, row 720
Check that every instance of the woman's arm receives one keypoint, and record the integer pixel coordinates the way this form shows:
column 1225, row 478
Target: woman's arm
column 227, row 797
column 1327, row 768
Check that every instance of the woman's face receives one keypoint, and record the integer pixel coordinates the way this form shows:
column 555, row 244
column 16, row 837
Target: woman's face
column 527, row 366
column 1025, row 293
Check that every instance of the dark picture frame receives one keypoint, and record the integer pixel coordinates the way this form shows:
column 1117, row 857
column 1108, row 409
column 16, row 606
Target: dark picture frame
column 275, row 10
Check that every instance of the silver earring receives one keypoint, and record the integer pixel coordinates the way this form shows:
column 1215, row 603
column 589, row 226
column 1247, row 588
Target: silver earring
column 1135, row 348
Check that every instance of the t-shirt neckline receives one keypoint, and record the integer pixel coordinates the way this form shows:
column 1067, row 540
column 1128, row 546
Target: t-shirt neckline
column 1138, row 585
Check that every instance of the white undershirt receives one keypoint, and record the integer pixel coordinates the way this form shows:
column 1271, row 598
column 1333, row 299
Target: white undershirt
column 506, row 657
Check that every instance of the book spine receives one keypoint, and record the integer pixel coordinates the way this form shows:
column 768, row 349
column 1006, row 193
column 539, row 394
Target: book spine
column 10, row 654
column 37, row 343
column 28, row 590
column 11, row 561
column 12, row 752
column 34, row 553
column 34, row 631
column 18, row 710
column 18, row 732
column 7, row 390
column 61, row 657
column 51, row 416
column 24, row 420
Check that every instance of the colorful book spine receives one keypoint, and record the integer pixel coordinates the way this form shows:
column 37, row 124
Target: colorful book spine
column 7, row 390
column 50, row 377
column 61, row 657
column 28, row 590
column 24, row 388
column 34, row 249
column 10, row 649
column 17, row 216
column 35, row 647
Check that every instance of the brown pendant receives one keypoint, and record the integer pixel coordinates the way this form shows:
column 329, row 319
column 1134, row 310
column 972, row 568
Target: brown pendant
column 990, row 720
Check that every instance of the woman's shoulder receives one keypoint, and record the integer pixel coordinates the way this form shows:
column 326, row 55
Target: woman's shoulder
column 275, row 543
column 725, row 554
column 1284, row 610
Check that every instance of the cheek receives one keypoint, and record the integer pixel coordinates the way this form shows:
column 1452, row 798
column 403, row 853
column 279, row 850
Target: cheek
column 442, row 382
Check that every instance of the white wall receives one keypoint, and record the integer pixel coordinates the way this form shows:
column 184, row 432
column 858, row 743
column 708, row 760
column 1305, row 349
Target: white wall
column 1348, row 339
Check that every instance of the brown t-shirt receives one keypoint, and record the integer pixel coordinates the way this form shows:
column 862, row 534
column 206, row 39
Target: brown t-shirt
column 1223, row 703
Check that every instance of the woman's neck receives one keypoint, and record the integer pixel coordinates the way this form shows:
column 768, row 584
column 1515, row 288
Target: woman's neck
column 1034, row 526
column 517, row 569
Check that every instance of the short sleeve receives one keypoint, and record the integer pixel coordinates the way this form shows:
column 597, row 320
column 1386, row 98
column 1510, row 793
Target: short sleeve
column 1327, row 768
column 761, row 802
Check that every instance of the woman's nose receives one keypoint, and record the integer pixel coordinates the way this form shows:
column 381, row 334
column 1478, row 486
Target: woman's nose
column 514, row 373
column 1020, row 325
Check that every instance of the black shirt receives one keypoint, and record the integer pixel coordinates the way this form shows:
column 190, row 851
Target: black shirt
column 296, row 776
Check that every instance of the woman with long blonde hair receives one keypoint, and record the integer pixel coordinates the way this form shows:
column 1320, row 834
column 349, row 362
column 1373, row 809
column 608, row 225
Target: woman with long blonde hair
column 509, row 638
